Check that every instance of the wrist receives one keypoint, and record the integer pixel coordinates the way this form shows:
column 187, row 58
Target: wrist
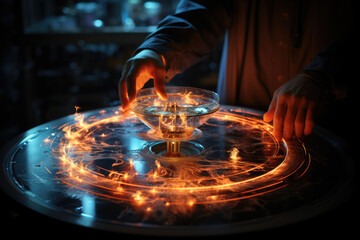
column 149, row 53
column 320, row 78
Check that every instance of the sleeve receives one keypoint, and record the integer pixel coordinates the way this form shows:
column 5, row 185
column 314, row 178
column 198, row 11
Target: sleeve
column 337, row 65
column 190, row 34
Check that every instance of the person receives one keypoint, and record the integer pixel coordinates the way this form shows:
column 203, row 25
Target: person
column 283, row 56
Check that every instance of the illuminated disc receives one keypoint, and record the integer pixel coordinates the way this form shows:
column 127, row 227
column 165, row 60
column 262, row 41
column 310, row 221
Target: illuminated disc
column 96, row 169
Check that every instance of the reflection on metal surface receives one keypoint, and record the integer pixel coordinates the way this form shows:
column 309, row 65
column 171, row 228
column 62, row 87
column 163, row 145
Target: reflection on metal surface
column 91, row 160
column 101, row 169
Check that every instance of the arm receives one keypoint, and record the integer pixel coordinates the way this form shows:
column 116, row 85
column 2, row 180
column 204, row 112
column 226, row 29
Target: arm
column 337, row 64
column 295, row 103
column 180, row 41
column 190, row 34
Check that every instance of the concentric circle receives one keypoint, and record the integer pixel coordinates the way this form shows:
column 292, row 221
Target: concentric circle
column 100, row 169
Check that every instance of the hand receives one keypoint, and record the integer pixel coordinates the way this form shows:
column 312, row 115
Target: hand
column 144, row 66
column 293, row 107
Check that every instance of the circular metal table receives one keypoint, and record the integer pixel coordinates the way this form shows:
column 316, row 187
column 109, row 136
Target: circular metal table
column 97, row 169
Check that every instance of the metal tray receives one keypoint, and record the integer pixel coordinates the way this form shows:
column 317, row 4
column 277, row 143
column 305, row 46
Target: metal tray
column 107, row 178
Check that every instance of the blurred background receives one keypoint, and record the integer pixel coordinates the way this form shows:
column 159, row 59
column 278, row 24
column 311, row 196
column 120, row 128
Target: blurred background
column 58, row 54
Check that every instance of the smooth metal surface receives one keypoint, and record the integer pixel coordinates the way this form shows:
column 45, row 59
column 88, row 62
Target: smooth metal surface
column 318, row 180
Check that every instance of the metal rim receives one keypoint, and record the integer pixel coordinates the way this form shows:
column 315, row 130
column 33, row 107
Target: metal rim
column 328, row 201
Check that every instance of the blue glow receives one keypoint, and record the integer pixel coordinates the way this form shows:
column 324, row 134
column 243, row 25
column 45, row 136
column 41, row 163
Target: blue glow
column 152, row 5
column 98, row 23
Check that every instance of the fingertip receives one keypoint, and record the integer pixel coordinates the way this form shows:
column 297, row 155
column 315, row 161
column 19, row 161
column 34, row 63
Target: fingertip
column 124, row 105
column 163, row 96
column 268, row 116
column 123, row 96
column 265, row 117
column 131, row 92
column 160, row 90
column 278, row 130
column 309, row 128
column 124, row 109
column 128, row 100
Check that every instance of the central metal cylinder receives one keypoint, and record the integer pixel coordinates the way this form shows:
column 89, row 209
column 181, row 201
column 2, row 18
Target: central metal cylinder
column 173, row 148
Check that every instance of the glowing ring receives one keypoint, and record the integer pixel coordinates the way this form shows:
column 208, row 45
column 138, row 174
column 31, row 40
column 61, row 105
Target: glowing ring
column 156, row 188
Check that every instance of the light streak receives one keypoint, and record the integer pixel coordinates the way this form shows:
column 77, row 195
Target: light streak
column 177, row 187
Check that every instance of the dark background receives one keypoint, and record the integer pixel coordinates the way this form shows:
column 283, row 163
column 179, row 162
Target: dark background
column 55, row 55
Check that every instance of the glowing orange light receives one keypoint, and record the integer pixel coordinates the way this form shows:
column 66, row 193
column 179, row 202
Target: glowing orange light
column 191, row 203
column 77, row 109
column 234, row 154
column 178, row 186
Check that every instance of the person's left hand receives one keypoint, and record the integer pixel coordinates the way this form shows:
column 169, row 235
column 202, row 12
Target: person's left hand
column 293, row 107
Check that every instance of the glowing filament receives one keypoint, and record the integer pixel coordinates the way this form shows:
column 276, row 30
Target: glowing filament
column 174, row 186
column 234, row 154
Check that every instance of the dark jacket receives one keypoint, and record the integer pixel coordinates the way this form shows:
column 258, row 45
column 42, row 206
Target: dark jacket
column 266, row 43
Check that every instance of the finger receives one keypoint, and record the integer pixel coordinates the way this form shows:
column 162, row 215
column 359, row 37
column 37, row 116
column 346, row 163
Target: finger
column 131, row 83
column 159, row 83
column 269, row 115
column 289, row 121
column 123, row 93
column 300, row 120
column 310, row 118
column 279, row 118
column 122, row 88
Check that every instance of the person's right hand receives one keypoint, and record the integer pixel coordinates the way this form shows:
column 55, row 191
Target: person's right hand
column 144, row 66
